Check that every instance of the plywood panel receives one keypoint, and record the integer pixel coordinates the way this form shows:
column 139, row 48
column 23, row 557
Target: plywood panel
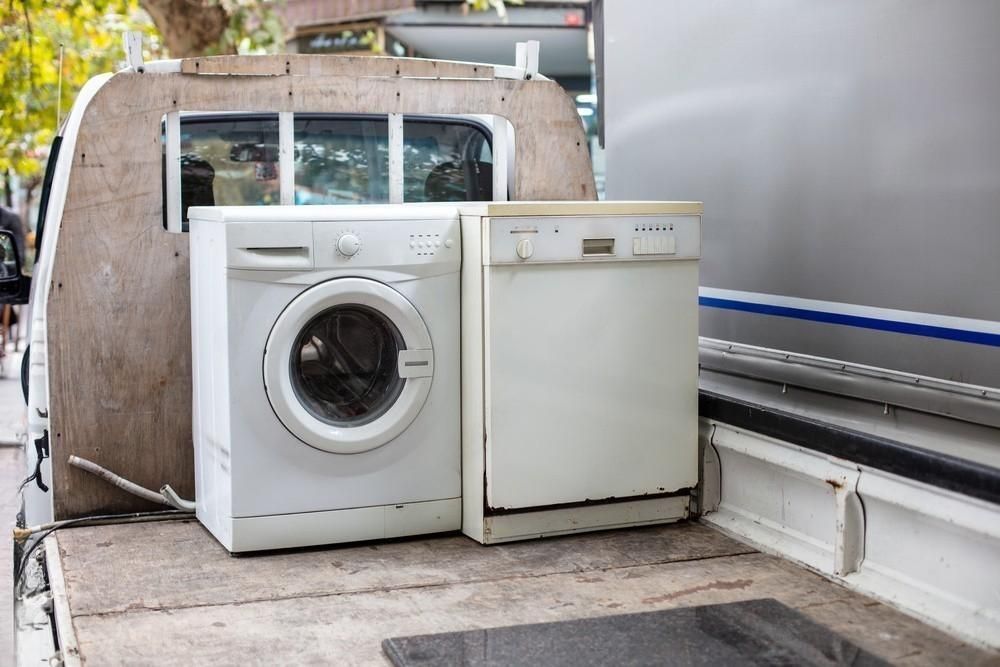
column 119, row 324
column 335, row 605
column 356, row 66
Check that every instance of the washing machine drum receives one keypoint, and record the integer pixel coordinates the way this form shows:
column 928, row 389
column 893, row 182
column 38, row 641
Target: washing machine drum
column 348, row 365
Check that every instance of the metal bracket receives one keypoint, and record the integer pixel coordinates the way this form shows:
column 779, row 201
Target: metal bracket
column 526, row 57
column 849, row 538
column 41, row 453
column 525, row 63
column 132, row 41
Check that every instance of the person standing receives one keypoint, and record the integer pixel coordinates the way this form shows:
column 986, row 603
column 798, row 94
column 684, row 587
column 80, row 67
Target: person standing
column 11, row 222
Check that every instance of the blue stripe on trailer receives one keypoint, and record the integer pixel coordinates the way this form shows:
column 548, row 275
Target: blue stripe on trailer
column 895, row 326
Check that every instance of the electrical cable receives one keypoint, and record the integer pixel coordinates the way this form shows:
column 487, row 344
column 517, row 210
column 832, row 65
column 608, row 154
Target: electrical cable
column 167, row 496
column 45, row 530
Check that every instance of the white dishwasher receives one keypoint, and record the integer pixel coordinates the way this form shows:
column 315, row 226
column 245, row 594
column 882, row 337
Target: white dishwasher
column 580, row 363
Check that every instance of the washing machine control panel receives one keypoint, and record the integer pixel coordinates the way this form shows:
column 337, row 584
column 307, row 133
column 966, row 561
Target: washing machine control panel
column 546, row 239
column 382, row 243
column 427, row 244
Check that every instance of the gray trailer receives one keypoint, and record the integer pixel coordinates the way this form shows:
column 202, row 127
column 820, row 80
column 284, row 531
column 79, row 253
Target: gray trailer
column 848, row 155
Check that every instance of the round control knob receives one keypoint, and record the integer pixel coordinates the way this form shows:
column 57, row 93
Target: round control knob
column 525, row 248
column 348, row 245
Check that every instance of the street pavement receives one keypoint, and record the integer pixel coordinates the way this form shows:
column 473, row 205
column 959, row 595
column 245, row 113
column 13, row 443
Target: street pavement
column 12, row 430
column 13, row 425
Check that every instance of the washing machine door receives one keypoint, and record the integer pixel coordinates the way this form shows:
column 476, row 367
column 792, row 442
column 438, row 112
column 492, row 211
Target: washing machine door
column 348, row 365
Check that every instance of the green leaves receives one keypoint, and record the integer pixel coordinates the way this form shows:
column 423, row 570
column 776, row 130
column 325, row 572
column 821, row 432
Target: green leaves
column 254, row 28
column 32, row 100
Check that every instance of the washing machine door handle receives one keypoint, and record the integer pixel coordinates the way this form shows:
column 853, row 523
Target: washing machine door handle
column 415, row 363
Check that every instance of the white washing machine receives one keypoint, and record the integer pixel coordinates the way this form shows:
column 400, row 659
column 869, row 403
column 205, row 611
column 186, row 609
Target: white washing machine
column 325, row 372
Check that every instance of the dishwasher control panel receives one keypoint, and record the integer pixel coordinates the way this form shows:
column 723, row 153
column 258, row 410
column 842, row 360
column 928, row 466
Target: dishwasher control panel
column 548, row 239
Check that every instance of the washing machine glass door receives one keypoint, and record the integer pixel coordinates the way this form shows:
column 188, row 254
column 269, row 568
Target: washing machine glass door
column 348, row 365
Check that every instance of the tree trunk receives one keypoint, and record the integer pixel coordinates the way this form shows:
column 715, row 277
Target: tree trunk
column 190, row 27
column 29, row 188
column 8, row 191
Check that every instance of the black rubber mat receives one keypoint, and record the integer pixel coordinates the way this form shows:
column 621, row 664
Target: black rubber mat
column 755, row 632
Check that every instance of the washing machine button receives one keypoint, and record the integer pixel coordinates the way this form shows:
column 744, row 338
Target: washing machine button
column 348, row 245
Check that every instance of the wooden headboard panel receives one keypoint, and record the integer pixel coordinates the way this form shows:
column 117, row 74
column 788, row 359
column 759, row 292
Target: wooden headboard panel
column 119, row 339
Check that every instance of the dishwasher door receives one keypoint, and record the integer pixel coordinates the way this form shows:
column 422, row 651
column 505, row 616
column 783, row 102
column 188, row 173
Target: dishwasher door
column 591, row 362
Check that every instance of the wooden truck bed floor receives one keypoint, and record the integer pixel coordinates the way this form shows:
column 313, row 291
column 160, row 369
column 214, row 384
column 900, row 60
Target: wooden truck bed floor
column 166, row 593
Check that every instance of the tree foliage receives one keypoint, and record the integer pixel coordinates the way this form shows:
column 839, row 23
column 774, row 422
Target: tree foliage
column 32, row 99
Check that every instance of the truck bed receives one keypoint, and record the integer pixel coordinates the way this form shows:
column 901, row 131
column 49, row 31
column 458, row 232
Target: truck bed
column 166, row 593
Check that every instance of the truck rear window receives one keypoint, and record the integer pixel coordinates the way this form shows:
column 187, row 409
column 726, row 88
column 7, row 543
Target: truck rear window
column 232, row 159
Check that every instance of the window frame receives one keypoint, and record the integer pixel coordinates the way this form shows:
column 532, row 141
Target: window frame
column 259, row 116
